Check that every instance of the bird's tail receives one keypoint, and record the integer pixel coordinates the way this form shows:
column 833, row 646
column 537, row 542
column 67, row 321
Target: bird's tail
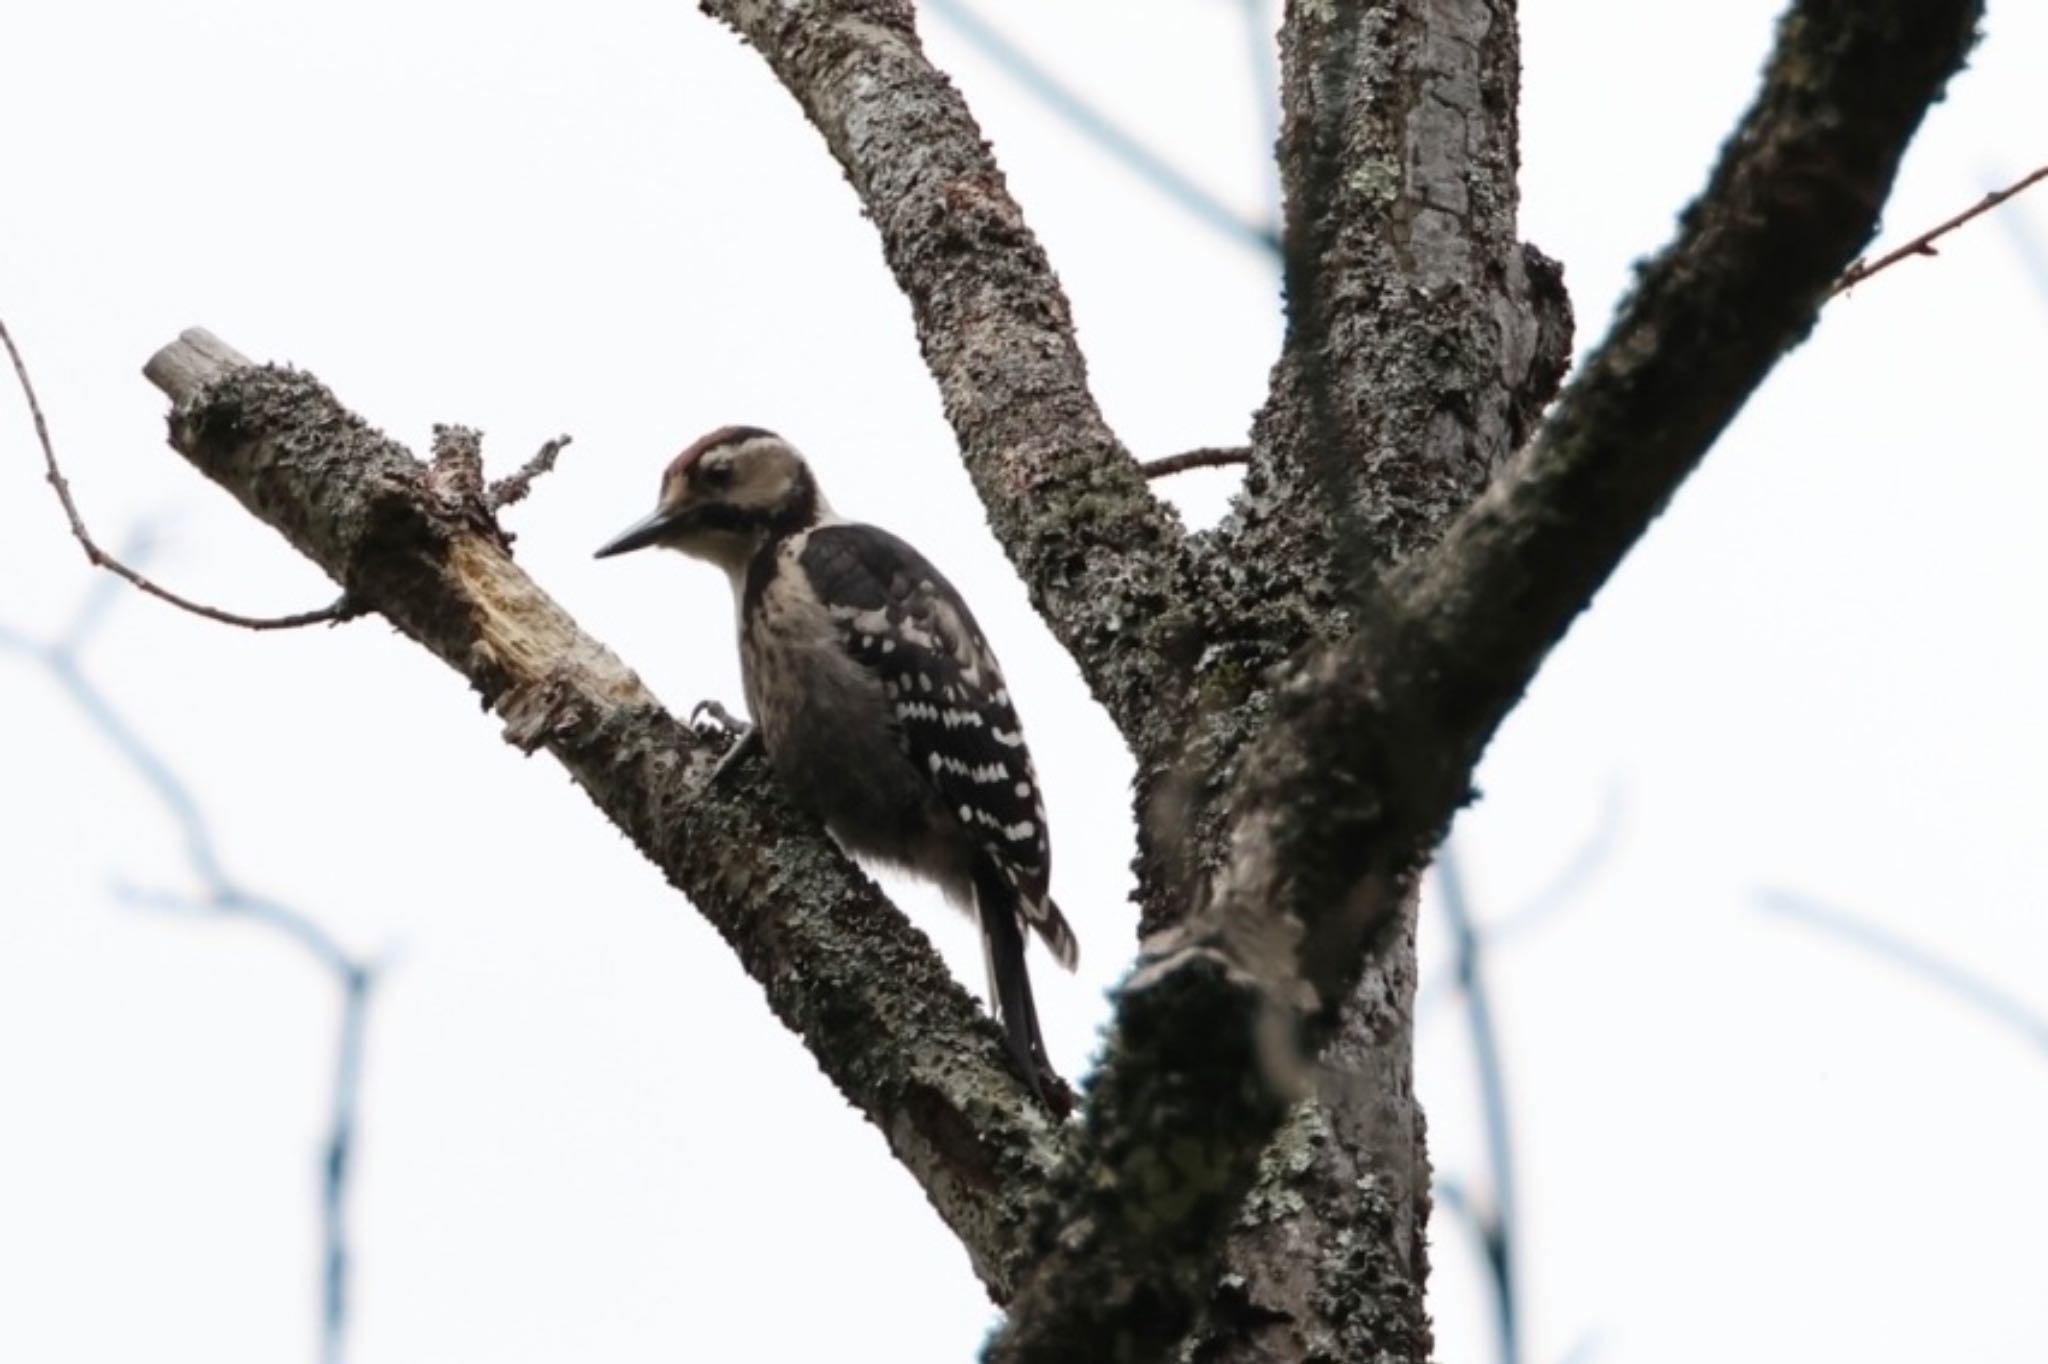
column 1045, row 916
column 1009, row 982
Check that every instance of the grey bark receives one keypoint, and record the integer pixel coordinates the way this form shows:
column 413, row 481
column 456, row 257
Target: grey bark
column 1306, row 690
column 1422, row 339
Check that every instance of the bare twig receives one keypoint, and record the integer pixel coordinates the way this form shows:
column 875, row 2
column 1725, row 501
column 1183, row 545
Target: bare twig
column 1923, row 245
column 334, row 613
column 1208, row 457
column 513, row 488
column 221, row 894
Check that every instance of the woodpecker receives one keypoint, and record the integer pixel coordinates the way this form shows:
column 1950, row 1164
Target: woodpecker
column 879, row 702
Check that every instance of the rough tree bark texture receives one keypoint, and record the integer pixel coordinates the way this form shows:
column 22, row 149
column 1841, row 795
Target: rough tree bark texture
column 1306, row 690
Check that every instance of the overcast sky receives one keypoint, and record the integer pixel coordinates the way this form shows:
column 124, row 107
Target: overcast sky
column 583, row 1135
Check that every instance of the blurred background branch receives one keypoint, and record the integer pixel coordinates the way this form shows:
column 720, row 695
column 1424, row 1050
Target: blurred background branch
column 2006, row 1010
column 2023, row 230
column 1495, row 1222
column 1494, row 1226
column 215, row 891
column 1087, row 118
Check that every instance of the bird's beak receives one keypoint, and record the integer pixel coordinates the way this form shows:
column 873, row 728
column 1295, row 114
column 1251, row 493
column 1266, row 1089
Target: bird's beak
column 641, row 533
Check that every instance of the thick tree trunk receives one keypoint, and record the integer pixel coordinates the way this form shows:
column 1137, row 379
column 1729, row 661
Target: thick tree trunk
column 1419, row 348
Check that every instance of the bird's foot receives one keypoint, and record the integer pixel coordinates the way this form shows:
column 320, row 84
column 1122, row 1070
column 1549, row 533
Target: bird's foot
column 710, row 717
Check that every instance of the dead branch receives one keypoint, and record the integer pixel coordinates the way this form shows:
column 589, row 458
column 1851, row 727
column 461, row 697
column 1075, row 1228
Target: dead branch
column 514, row 487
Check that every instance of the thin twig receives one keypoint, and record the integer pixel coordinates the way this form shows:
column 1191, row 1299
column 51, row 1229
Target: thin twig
column 1208, row 457
column 339, row 610
column 1923, row 245
column 514, row 487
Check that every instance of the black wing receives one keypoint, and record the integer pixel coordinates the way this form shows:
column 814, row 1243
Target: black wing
column 900, row 617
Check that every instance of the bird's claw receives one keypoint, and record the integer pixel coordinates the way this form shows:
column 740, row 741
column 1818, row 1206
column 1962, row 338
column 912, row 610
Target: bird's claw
column 709, row 717
column 720, row 718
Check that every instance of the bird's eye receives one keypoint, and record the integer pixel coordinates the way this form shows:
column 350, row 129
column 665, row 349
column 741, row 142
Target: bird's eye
column 715, row 475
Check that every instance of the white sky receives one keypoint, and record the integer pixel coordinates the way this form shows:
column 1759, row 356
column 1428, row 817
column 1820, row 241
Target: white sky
column 584, row 1136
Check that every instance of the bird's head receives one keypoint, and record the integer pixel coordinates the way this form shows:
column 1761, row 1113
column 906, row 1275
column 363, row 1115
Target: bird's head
column 725, row 496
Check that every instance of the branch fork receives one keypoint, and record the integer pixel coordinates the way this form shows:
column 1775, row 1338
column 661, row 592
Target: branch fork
column 1109, row 1237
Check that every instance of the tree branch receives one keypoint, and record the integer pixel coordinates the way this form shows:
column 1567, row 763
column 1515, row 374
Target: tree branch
column 841, row 966
column 1099, row 553
column 1208, row 457
column 1372, row 743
